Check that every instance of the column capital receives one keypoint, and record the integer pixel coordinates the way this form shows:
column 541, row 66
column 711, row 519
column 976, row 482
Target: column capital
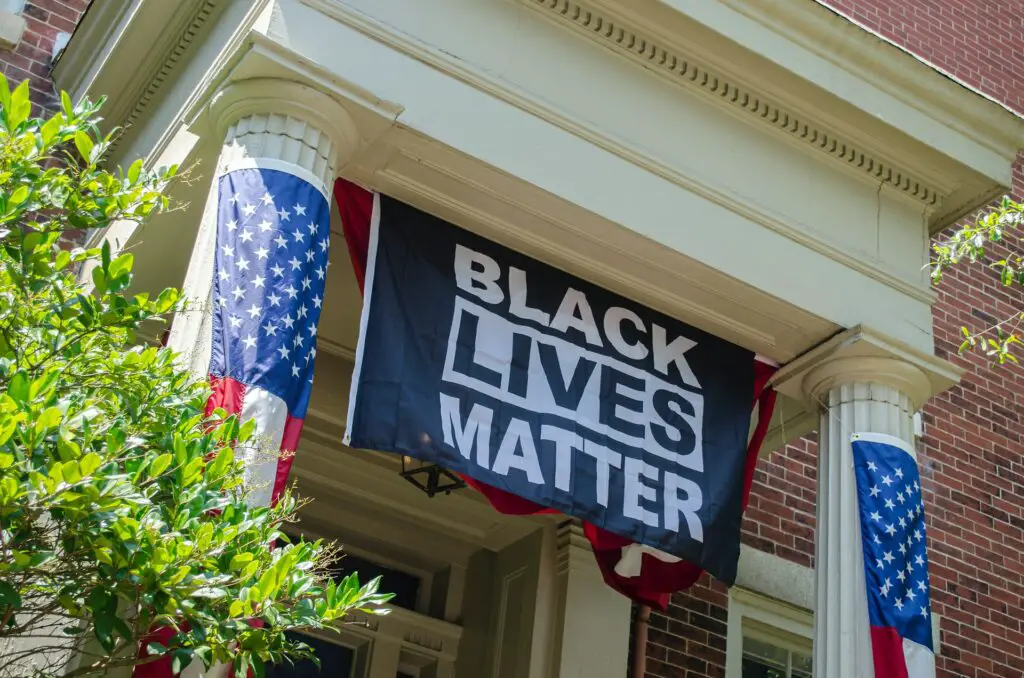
column 291, row 98
column 863, row 355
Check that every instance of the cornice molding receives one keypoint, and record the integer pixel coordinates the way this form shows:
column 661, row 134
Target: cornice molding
column 899, row 72
column 689, row 72
column 185, row 38
column 719, row 195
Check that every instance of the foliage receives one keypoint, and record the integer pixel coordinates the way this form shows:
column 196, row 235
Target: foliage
column 121, row 503
column 971, row 243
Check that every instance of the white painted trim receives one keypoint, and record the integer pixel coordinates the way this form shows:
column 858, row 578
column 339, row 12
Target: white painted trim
column 795, row 625
column 364, row 315
column 885, row 439
column 280, row 166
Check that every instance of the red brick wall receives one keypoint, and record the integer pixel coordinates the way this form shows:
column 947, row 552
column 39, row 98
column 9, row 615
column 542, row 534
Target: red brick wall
column 30, row 59
column 971, row 454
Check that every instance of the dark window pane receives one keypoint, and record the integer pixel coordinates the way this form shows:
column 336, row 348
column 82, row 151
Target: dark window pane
column 335, row 661
column 405, row 586
column 755, row 669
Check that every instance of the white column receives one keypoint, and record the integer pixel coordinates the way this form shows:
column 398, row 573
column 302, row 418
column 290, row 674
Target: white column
column 590, row 637
column 272, row 123
column 860, row 382
column 842, row 642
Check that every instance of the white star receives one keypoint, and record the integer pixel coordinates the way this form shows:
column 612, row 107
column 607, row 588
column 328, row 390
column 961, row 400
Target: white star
column 235, row 321
column 249, row 210
column 874, row 490
column 319, row 272
column 238, row 293
column 232, row 224
column 324, row 245
column 909, row 490
column 910, row 514
column 295, row 370
column 919, row 559
column 876, row 539
column 223, row 302
column 312, row 330
column 903, row 549
column 254, row 311
column 290, row 291
column 262, row 253
column 223, row 275
column 281, row 242
column 899, row 473
column 884, row 591
column 298, row 340
column 890, row 529
column 277, row 271
column 901, row 498
column 916, row 486
column 288, row 321
column 283, row 213
column 887, row 557
column 910, row 567
column 903, row 523
column 917, row 535
column 267, row 199
column 284, row 352
column 312, row 352
column 233, row 200
column 249, row 341
column 228, row 250
column 872, row 466
column 879, row 564
column 901, row 576
column 309, row 255
column 243, row 264
column 295, row 263
column 303, row 311
column 886, row 480
column 924, row 612
column 911, row 595
column 270, row 328
column 898, row 604
column 889, row 504
column 312, row 228
column 876, row 516
column 317, row 301
column 274, row 299
column 306, row 283
column 922, row 587
column 246, row 236
column 258, row 281
column 298, row 236
column 265, row 225
column 300, row 210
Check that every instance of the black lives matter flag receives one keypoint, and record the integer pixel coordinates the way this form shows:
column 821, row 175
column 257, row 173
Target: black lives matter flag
column 540, row 386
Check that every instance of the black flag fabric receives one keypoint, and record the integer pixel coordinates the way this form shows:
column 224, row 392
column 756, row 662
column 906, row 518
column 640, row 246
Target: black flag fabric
column 533, row 381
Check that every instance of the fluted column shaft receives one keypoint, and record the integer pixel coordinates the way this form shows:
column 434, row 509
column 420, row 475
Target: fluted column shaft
column 842, row 641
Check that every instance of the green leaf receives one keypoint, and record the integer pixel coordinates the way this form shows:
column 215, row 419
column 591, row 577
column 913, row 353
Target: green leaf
column 121, row 265
column 18, row 388
column 19, row 196
column 89, row 463
column 9, row 596
column 160, row 465
column 20, row 106
column 50, row 417
column 84, row 145
column 240, row 560
column 134, row 170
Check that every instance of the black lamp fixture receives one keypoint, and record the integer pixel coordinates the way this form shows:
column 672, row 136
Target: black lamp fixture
column 430, row 478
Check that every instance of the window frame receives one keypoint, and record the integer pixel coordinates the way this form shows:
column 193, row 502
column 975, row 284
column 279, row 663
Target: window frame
column 766, row 619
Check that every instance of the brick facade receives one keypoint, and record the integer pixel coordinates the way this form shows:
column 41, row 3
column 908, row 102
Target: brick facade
column 971, row 452
column 30, row 59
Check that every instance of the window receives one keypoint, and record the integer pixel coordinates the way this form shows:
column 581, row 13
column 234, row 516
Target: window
column 769, row 657
column 767, row 638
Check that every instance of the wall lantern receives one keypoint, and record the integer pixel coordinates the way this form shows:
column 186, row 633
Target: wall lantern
column 430, row 478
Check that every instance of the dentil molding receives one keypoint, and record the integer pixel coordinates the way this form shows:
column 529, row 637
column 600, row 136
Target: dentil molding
column 689, row 72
